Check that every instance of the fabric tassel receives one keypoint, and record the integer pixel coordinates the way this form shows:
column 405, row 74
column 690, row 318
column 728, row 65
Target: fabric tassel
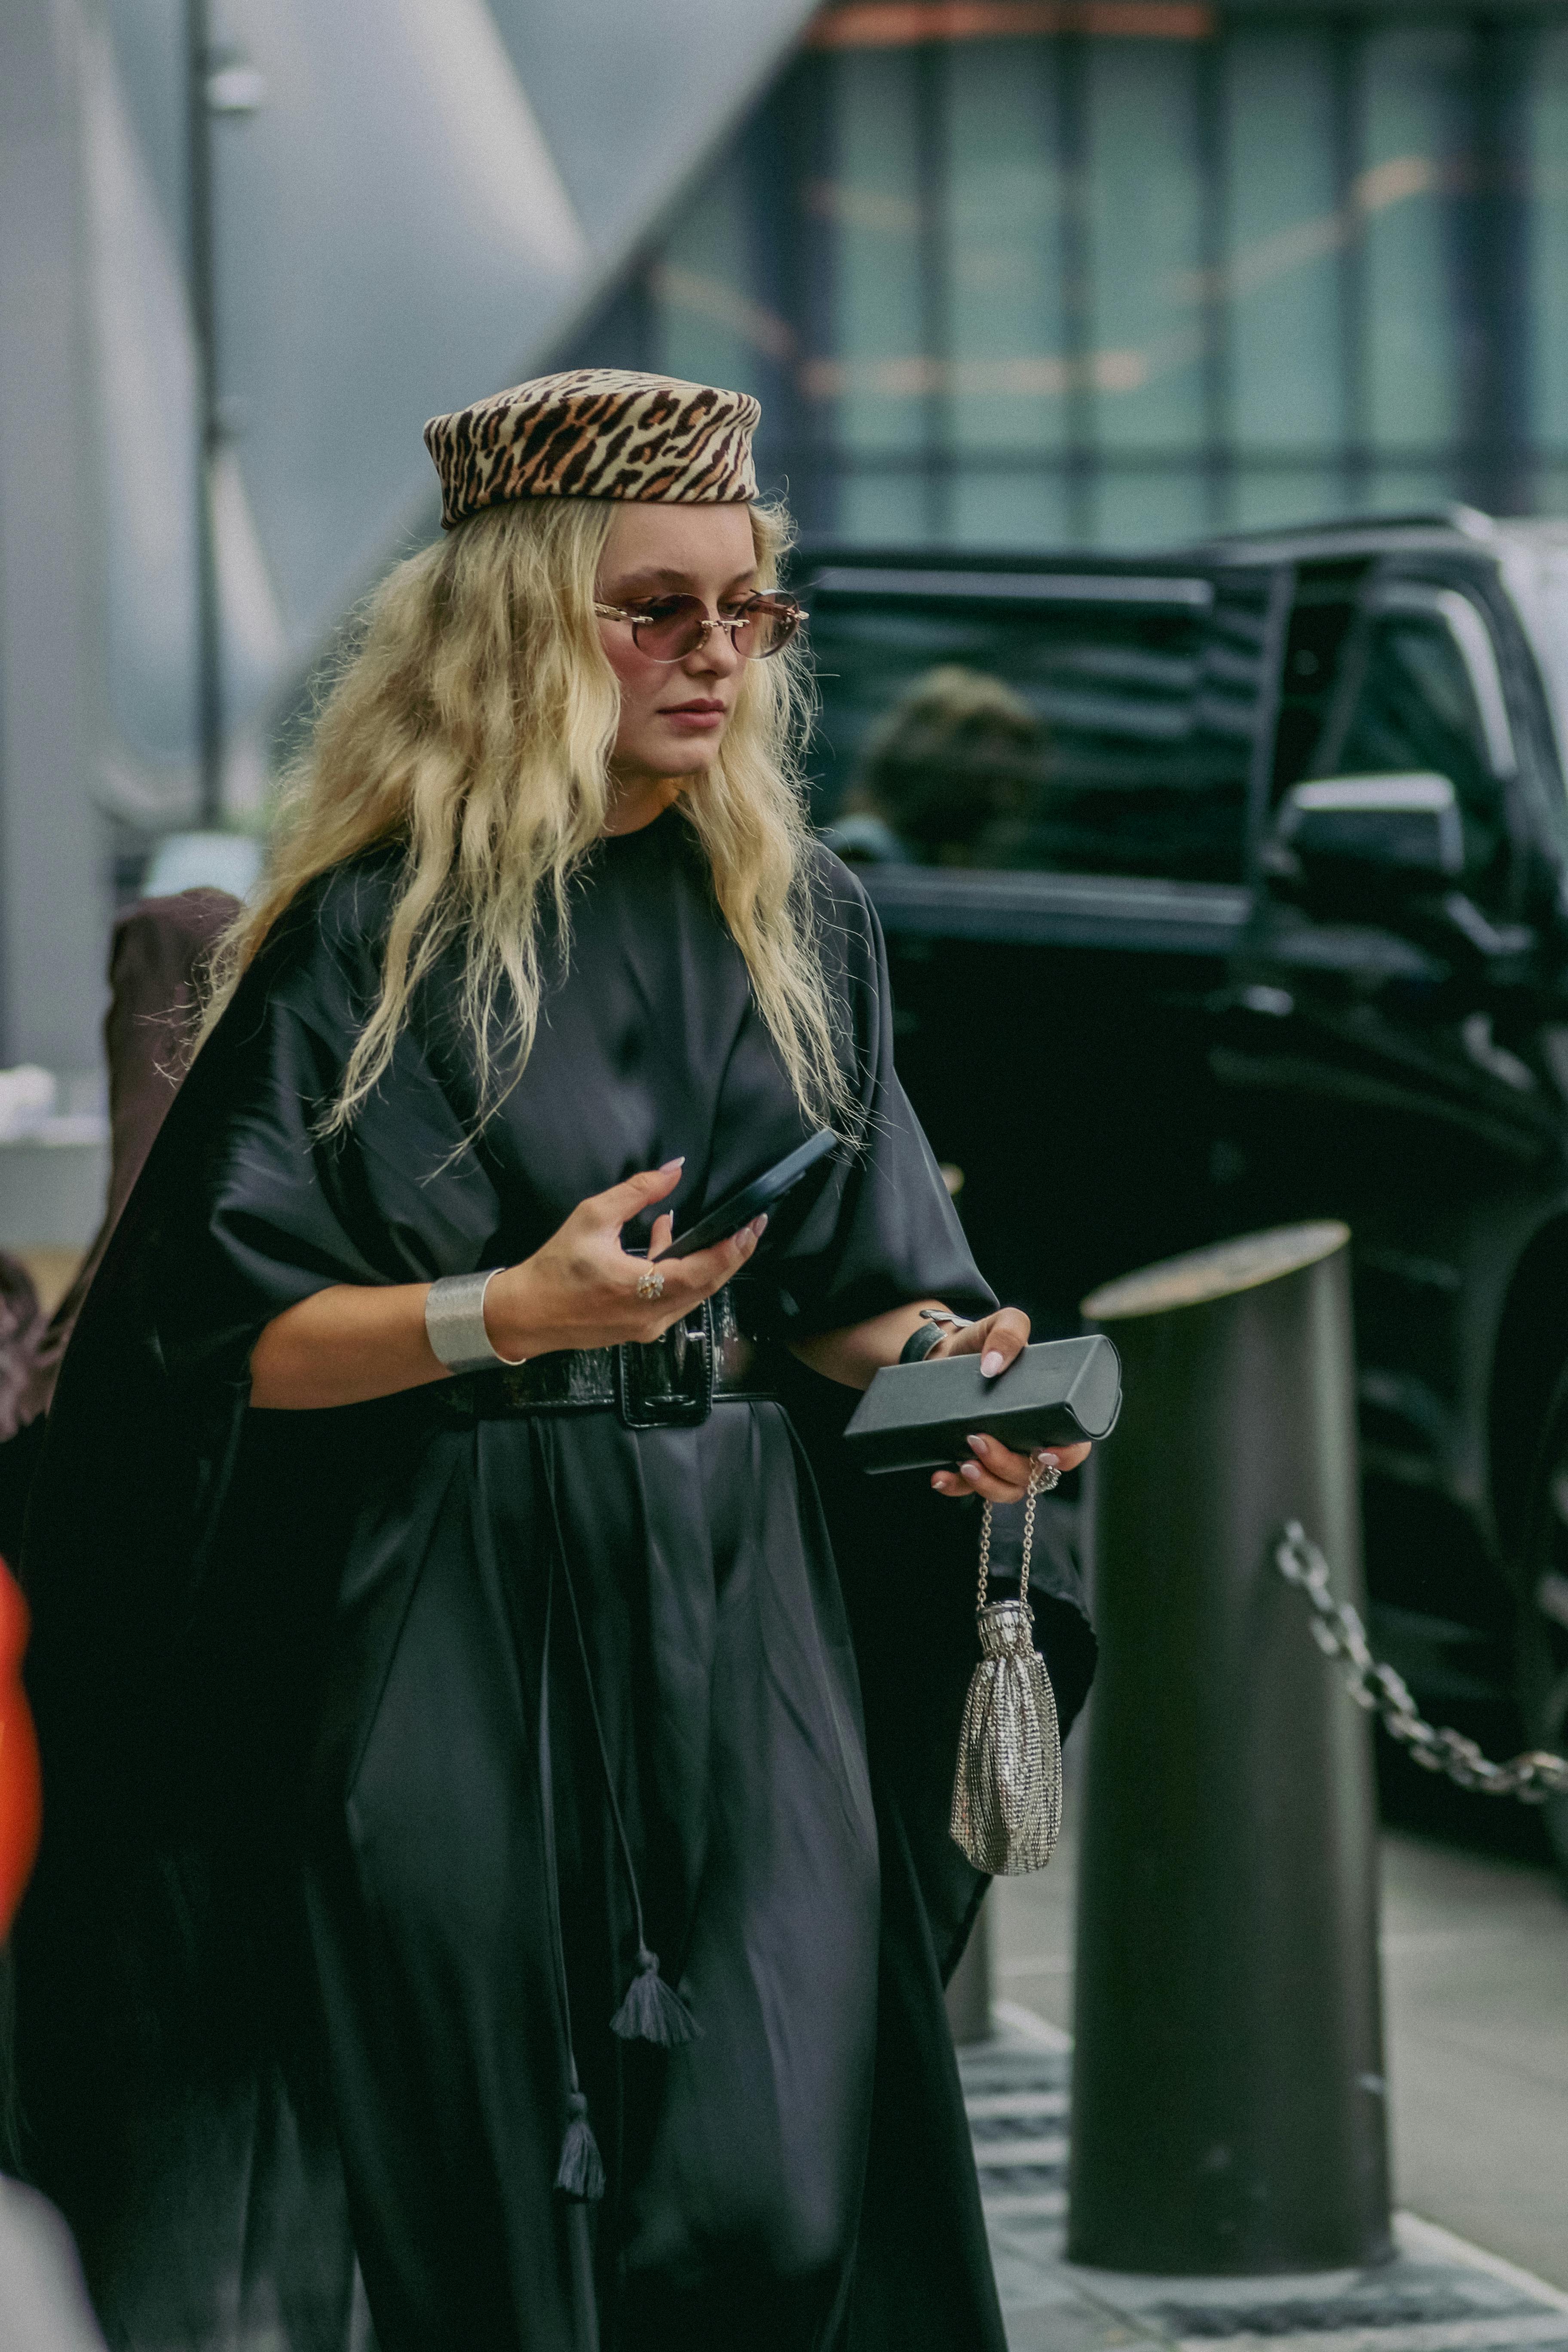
column 581, row 2171
column 652, row 2009
column 1007, row 1789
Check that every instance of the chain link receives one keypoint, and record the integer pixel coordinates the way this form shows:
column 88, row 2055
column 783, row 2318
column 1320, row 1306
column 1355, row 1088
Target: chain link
column 1339, row 1632
column 1043, row 1476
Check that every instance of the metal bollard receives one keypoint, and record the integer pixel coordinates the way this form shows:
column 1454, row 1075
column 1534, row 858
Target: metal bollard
column 1228, row 2104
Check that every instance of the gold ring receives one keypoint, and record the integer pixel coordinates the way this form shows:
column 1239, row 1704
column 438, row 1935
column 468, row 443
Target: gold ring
column 650, row 1282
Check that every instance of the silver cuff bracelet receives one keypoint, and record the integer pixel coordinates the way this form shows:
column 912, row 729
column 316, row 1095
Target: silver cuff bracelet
column 455, row 1323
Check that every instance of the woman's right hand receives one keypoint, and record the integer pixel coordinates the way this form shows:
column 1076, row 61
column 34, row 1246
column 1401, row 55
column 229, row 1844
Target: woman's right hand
column 581, row 1289
column 350, row 1343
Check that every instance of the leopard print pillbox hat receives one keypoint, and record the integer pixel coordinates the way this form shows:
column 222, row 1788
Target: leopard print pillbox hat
column 596, row 433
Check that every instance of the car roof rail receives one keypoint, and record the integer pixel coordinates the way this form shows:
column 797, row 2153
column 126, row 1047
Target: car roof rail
column 1453, row 515
column 1464, row 521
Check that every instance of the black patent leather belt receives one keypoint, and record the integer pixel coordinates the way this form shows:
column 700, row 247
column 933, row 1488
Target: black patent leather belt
column 673, row 1383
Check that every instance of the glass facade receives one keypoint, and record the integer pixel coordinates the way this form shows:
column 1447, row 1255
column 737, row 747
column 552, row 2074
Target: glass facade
column 1015, row 273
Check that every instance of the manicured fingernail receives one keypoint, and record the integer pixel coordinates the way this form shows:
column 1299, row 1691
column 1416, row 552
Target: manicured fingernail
column 759, row 1226
column 969, row 1470
column 1046, row 1459
column 979, row 1443
column 673, row 1163
column 991, row 1363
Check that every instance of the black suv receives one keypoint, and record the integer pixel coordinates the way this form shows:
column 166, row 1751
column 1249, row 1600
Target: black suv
column 1228, row 889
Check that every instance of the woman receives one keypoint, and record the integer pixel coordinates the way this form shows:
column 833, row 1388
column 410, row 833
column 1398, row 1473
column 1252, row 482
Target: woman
column 462, row 1847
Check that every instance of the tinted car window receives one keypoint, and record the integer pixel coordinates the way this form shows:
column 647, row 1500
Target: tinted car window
column 1409, row 705
column 1091, row 737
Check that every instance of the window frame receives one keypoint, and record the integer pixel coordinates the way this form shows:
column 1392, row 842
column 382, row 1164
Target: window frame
column 1469, row 630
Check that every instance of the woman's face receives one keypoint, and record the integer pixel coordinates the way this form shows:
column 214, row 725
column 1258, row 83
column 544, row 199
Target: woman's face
column 674, row 714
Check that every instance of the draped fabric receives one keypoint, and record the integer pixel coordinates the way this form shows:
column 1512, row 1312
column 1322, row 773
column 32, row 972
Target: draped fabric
column 295, row 2047
column 158, row 947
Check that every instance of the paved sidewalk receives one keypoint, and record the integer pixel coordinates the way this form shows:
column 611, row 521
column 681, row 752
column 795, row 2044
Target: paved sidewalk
column 1438, row 2294
column 1475, row 1960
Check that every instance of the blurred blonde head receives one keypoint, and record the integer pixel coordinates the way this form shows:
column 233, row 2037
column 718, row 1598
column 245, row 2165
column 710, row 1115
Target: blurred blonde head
column 954, row 759
column 474, row 725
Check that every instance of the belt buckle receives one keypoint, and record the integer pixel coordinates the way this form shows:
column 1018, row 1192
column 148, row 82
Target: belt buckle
column 687, row 1352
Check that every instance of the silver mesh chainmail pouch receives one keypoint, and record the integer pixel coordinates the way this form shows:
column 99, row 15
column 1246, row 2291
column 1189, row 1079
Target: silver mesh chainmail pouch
column 1007, row 1789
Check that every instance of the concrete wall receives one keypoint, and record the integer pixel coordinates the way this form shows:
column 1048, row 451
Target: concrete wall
column 428, row 192
column 53, row 879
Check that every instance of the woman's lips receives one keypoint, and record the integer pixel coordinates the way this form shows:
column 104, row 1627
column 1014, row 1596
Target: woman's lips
column 694, row 718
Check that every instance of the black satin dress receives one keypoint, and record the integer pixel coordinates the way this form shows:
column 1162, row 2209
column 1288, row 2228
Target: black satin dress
column 305, row 1998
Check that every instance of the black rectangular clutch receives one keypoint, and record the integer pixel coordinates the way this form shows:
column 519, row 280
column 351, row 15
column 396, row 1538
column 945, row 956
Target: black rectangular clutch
column 919, row 1416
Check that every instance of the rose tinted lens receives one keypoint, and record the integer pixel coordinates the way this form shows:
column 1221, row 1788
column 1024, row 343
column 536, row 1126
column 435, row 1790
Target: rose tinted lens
column 769, row 624
column 673, row 626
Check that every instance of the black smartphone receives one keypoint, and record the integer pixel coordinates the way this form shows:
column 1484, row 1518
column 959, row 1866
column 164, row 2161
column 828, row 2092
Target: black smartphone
column 753, row 1198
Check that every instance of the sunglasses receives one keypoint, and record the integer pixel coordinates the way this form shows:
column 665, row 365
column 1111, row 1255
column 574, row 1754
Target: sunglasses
column 667, row 628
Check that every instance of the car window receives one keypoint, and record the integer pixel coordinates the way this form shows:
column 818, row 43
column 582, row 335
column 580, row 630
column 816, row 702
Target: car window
column 1081, row 737
column 1408, row 704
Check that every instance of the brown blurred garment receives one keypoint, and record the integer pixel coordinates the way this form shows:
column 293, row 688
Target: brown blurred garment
column 22, row 1327
column 154, row 963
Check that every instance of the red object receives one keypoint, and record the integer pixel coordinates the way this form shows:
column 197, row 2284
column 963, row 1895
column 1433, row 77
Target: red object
column 21, row 1790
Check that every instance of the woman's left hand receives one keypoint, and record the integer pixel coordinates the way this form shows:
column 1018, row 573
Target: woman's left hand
column 995, row 1471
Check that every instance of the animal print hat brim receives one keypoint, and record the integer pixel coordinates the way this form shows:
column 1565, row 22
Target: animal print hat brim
column 596, row 433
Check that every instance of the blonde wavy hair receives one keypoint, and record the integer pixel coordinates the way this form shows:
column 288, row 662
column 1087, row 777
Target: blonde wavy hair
column 473, row 722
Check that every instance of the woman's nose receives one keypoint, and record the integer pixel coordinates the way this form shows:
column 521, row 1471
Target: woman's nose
column 716, row 654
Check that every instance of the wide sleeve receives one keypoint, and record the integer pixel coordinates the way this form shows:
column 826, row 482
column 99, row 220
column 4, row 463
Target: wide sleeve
column 262, row 1207
column 159, row 947
column 244, row 1207
column 883, row 1230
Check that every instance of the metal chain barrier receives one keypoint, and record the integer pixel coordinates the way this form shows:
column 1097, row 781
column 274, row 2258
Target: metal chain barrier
column 1339, row 1632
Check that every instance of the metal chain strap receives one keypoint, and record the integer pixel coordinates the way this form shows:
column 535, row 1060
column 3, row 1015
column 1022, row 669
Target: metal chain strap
column 1339, row 1632
column 1043, row 1476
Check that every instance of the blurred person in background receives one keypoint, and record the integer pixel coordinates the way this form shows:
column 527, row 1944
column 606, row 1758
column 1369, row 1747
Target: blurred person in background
column 158, row 948
column 484, row 1896
column 22, row 1327
column 43, row 2302
column 946, row 774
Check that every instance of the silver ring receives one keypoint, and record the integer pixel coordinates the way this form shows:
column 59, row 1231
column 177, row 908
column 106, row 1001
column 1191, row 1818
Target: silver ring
column 650, row 1282
column 1045, row 1475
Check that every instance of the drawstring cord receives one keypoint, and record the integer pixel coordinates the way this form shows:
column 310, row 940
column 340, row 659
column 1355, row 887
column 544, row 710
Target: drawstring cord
column 581, row 2171
column 652, row 2009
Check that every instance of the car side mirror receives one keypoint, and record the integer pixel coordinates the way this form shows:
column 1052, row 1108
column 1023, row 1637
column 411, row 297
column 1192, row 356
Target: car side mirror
column 1405, row 828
